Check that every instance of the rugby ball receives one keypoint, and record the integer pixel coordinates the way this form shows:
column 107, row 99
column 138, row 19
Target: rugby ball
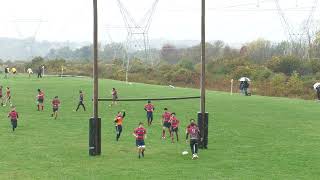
column 184, row 152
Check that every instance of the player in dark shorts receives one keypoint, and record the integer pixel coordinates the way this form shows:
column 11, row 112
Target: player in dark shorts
column 8, row 96
column 40, row 99
column 114, row 96
column 165, row 123
column 119, row 120
column 140, row 133
column 174, row 126
column 39, row 72
column 149, row 108
column 193, row 131
column 6, row 72
column 81, row 99
column 1, row 95
column 55, row 107
column 13, row 115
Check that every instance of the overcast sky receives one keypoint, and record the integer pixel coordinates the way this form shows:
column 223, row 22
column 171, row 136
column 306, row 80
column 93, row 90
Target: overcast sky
column 234, row 21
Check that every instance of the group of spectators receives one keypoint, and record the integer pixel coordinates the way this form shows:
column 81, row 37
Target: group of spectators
column 7, row 71
column 244, row 86
column 13, row 70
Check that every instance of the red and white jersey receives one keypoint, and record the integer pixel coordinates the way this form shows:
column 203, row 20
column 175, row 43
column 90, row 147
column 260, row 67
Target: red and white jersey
column 114, row 93
column 40, row 95
column 149, row 107
column 140, row 132
column 193, row 131
column 55, row 103
column 166, row 116
column 174, row 122
column 13, row 115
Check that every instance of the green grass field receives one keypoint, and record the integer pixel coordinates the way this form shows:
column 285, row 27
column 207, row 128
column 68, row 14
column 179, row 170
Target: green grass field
column 249, row 137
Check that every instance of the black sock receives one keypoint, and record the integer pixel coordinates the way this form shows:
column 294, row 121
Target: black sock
column 192, row 148
column 196, row 148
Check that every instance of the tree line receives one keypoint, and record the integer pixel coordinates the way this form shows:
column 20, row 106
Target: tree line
column 276, row 69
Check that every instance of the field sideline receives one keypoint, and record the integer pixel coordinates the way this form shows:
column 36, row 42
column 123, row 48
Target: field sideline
column 249, row 137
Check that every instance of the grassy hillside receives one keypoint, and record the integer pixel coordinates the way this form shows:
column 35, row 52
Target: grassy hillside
column 249, row 137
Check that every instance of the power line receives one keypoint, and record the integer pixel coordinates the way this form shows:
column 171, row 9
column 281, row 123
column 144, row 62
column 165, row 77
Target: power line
column 137, row 33
column 256, row 7
column 294, row 36
column 34, row 34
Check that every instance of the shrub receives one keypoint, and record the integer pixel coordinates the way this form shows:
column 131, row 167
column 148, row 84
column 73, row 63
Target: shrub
column 261, row 73
column 242, row 71
column 294, row 85
column 186, row 64
column 285, row 64
column 278, row 85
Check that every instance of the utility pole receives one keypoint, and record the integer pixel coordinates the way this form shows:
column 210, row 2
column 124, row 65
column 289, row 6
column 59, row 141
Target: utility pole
column 203, row 58
column 203, row 115
column 95, row 121
column 95, row 60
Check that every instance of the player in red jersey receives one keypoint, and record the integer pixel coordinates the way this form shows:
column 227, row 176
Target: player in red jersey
column 174, row 126
column 140, row 133
column 194, row 133
column 149, row 108
column 55, row 107
column 119, row 120
column 1, row 95
column 8, row 97
column 165, row 123
column 40, row 99
column 13, row 115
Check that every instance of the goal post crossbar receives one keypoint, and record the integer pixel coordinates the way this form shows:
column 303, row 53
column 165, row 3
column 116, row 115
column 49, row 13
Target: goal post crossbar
column 151, row 99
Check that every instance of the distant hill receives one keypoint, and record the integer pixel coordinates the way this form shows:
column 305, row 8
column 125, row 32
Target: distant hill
column 158, row 43
column 22, row 49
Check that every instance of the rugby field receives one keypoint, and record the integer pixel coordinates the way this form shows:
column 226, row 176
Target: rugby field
column 249, row 137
